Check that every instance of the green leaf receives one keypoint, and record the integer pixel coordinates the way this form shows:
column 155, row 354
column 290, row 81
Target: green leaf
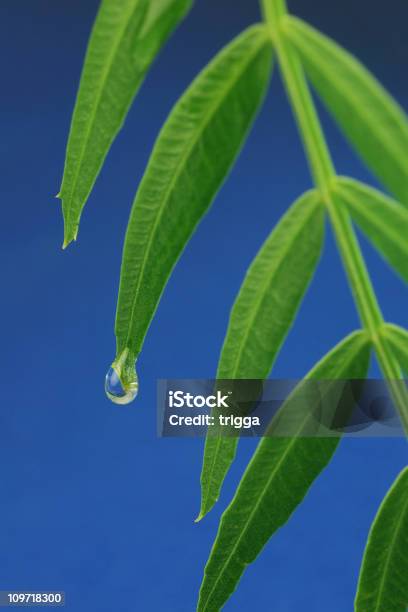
column 384, row 221
column 191, row 158
column 397, row 338
column 262, row 316
column 383, row 582
column 274, row 483
column 126, row 37
column 374, row 123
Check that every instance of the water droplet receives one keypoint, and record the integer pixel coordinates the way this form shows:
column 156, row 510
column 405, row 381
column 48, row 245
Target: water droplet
column 116, row 391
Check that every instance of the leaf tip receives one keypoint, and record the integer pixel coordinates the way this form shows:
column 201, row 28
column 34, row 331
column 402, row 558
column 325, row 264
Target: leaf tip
column 199, row 517
column 68, row 238
column 204, row 510
column 70, row 233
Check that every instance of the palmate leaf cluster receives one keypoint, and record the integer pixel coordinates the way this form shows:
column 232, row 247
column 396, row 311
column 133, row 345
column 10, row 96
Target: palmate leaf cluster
column 191, row 158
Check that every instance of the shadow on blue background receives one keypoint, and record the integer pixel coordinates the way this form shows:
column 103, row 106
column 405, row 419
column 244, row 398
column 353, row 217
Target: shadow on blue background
column 92, row 502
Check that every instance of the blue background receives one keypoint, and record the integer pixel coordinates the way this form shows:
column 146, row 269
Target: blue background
column 92, row 502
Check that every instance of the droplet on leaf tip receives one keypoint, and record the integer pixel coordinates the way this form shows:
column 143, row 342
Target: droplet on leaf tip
column 116, row 391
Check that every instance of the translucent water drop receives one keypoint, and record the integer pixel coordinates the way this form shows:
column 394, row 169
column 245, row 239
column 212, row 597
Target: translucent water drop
column 116, row 391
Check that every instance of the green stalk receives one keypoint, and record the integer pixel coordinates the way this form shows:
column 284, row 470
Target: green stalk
column 324, row 175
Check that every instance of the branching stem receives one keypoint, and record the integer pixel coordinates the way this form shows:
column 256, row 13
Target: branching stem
column 324, row 175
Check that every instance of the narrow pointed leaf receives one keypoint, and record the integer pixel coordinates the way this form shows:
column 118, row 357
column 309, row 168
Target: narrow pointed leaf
column 274, row 483
column 397, row 338
column 191, row 158
column 384, row 221
column 262, row 316
column 371, row 119
column 125, row 39
column 383, row 582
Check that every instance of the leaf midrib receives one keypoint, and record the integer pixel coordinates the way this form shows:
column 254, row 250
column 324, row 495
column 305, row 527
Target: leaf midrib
column 388, row 556
column 250, row 324
column 213, row 108
column 396, row 337
column 256, row 506
column 385, row 229
column 277, row 264
column 266, row 487
column 384, row 137
column 105, row 74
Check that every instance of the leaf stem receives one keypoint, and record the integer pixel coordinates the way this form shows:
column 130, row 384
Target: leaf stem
column 324, row 176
